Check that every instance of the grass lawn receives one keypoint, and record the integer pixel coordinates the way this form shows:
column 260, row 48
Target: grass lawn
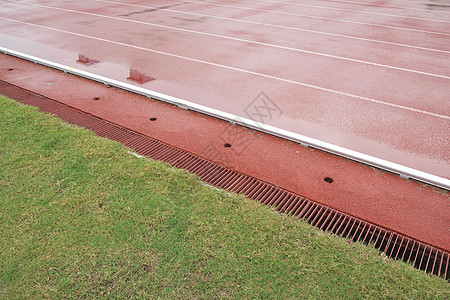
column 81, row 217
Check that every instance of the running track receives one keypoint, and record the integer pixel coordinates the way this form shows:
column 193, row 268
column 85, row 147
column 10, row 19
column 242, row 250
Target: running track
column 371, row 77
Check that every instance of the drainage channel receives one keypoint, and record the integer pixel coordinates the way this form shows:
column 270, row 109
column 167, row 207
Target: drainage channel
column 396, row 246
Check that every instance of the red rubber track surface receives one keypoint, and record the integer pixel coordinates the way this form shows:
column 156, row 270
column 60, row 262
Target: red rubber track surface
column 373, row 77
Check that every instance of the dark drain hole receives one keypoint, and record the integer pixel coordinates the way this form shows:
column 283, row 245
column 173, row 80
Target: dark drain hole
column 152, row 119
column 227, row 145
column 10, row 69
column 328, row 179
column 96, row 98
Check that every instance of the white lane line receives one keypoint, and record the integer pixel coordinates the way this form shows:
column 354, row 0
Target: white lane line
column 322, row 18
column 387, row 6
column 277, row 26
column 245, row 41
column 238, row 70
column 352, row 10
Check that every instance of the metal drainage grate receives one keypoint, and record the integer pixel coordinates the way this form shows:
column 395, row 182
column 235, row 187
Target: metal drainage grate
column 394, row 245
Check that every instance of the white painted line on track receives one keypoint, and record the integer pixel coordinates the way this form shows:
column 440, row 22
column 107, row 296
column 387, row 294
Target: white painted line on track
column 324, row 18
column 351, row 10
column 247, row 41
column 403, row 171
column 277, row 26
column 238, row 70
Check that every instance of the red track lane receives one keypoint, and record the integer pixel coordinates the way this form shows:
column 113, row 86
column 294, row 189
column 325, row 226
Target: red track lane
column 281, row 40
column 399, row 5
column 293, row 24
column 414, row 20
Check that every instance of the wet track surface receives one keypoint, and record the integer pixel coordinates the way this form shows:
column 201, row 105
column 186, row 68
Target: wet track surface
column 371, row 78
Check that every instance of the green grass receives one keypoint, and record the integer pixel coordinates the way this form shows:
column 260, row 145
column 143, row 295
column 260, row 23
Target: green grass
column 81, row 217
